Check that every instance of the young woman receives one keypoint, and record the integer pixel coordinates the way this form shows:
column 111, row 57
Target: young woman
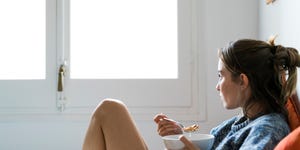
column 254, row 75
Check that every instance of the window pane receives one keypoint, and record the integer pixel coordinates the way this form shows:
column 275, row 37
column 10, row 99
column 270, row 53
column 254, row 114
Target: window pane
column 123, row 39
column 22, row 39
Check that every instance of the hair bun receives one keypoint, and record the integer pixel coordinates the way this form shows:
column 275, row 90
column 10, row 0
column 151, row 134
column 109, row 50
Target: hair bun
column 271, row 40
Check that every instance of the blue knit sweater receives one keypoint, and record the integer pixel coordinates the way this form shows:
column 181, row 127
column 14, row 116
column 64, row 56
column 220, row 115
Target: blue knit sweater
column 239, row 133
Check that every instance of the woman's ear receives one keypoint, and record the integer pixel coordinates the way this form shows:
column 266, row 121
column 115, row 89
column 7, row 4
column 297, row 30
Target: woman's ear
column 244, row 80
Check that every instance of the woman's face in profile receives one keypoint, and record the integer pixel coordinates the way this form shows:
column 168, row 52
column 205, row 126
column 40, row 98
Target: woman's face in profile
column 230, row 91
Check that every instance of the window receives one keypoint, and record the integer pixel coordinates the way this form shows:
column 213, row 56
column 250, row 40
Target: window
column 123, row 39
column 28, row 56
column 23, row 33
column 140, row 51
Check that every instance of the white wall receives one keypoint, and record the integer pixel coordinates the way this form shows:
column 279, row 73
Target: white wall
column 41, row 135
column 281, row 18
column 220, row 21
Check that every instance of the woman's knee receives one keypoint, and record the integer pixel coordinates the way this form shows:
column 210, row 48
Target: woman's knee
column 107, row 106
column 112, row 103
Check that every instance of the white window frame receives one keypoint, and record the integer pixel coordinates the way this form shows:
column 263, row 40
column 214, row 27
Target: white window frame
column 191, row 108
column 30, row 97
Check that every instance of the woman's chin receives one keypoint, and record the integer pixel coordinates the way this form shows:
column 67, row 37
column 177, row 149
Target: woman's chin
column 228, row 106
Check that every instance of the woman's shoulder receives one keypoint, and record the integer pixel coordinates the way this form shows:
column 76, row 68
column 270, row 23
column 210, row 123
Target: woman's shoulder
column 263, row 132
column 273, row 122
column 273, row 119
column 265, row 122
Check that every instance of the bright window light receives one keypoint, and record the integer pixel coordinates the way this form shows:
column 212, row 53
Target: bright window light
column 123, row 39
column 22, row 36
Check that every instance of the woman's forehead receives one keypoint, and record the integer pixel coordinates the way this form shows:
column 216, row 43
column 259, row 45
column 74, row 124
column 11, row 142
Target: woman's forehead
column 220, row 65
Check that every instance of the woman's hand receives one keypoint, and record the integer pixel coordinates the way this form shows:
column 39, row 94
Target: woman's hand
column 166, row 126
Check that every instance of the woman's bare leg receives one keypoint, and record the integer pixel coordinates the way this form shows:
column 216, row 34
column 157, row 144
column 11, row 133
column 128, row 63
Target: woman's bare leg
column 112, row 128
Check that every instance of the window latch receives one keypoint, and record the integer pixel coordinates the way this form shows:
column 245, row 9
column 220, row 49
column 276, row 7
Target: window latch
column 61, row 75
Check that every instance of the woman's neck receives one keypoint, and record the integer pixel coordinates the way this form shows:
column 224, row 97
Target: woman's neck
column 254, row 110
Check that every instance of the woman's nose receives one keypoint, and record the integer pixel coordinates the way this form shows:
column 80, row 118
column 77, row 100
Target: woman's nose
column 218, row 87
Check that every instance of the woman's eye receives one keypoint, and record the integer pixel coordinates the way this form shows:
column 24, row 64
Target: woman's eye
column 220, row 76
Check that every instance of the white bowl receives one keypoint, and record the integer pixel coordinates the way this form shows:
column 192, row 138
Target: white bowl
column 204, row 141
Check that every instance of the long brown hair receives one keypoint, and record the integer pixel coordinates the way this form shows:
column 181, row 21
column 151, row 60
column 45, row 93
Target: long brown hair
column 266, row 66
